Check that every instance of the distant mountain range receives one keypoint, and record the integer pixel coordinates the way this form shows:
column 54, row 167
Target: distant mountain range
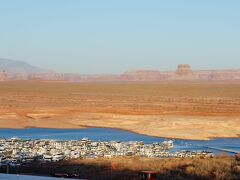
column 12, row 66
column 19, row 70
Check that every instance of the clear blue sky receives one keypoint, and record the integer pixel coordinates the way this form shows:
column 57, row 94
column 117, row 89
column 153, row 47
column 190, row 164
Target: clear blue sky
column 112, row 36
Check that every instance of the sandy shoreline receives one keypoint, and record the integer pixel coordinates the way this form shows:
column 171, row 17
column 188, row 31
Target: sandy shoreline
column 155, row 126
column 86, row 127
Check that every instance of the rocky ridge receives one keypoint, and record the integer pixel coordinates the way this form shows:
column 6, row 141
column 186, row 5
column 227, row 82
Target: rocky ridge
column 16, row 70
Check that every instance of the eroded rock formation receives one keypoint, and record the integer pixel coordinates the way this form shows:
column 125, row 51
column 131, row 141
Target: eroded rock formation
column 184, row 70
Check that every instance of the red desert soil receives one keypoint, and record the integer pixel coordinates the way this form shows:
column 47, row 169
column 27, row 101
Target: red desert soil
column 187, row 110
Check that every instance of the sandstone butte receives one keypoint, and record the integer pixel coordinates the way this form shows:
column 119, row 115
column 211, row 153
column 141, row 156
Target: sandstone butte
column 183, row 72
column 173, row 109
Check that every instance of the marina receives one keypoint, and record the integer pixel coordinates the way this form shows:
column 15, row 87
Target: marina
column 228, row 146
column 17, row 152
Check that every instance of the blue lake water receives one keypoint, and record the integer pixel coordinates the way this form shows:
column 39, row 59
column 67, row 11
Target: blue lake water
column 220, row 145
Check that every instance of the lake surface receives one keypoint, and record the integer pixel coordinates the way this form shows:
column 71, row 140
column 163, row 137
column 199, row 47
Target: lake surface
column 220, row 145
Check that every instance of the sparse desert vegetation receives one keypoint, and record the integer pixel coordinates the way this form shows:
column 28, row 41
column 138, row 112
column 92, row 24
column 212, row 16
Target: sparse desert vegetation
column 217, row 168
column 220, row 167
column 188, row 110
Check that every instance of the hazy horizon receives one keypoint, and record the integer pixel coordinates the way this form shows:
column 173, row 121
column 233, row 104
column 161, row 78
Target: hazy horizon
column 106, row 37
column 124, row 71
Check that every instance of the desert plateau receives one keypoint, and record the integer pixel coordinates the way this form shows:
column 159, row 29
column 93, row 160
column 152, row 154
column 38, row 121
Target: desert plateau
column 178, row 109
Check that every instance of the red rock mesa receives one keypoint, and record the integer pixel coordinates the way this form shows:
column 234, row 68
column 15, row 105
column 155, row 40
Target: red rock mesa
column 184, row 70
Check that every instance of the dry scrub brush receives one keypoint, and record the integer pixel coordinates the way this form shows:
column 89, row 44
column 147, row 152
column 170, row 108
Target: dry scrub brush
column 219, row 167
